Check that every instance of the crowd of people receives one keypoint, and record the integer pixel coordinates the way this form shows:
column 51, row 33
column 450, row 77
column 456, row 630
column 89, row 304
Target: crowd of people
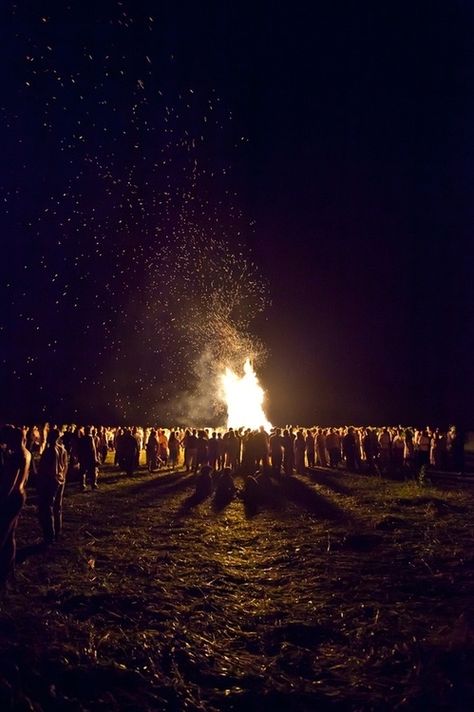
column 52, row 454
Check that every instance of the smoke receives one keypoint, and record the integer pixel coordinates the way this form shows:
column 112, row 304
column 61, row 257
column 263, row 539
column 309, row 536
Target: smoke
column 199, row 405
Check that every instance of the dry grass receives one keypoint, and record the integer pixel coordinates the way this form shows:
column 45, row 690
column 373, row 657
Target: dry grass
column 352, row 594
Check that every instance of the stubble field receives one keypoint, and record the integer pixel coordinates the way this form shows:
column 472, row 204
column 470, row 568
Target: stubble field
column 340, row 592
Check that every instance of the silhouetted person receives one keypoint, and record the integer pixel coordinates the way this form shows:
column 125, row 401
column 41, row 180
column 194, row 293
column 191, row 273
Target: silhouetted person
column 152, row 451
column 220, row 451
column 190, row 451
column 225, row 489
column 321, row 448
column 15, row 462
column 385, row 451
column 349, row 449
column 102, row 448
column 202, row 457
column 423, row 448
column 204, row 482
column 398, row 449
column 67, row 439
column 409, row 448
column 300, row 449
column 232, row 447
column 276, row 451
column 457, row 449
column 333, row 444
column 288, row 453
column 137, row 435
column 50, row 483
column 118, row 460
column 130, row 452
column 371, row 447
column 213, row 451
column 261, row 447
column 173, row 447
column 310, row 448
column 87, row 459
column 164, row 452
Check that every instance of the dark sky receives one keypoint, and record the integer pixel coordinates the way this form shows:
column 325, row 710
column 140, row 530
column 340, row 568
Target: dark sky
column 357, row 169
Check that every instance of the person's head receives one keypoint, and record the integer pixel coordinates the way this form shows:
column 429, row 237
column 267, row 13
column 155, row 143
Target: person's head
column 53, row 436
column 206, row 470
column 11, row 437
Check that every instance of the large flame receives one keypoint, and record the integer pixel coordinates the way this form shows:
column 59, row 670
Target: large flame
column 244, row 397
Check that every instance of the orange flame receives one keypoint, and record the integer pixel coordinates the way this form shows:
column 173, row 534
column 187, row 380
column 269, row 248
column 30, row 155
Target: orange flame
column 244, row 396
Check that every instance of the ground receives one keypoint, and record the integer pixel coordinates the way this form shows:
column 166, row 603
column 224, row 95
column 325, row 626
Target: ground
column 341, row 592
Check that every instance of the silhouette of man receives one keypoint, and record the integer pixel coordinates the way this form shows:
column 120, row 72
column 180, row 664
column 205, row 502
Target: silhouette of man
column 15, row 462
column 87, row 454
column 52, row 471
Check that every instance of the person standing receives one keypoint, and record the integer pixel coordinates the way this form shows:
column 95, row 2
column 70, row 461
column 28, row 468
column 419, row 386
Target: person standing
column 276, row 451
column 15, row 462
column 213, row 449
column 152, row 451
column 333, row 444
column 310, row 445
column 261, row 441
column 288, row 453
column 87, row 454
column 130, row 452
column 349, row 449
column 385, row 451
column 321, row 448
column 300, row 449
column 423, row 448
column 173, row 446
column 398, row 449
column 50, row 483
column 202, row 457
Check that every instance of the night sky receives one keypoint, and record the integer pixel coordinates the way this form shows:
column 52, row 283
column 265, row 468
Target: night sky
column 185, row 182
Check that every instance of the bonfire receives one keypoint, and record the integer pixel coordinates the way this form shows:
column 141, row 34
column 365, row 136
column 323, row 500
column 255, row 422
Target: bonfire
column 244, row 397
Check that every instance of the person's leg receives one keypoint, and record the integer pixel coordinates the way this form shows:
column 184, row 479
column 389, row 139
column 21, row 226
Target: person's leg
column 58, row 511
column 7, row 550
column 46, row 495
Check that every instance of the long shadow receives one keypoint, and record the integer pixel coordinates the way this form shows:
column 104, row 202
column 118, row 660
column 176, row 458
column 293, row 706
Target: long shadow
column 222, row 500
column 190, row 502
column 306, row 496
column 269, row 496
column 251, row 509
column 111, row 476
column 163, row 483
column 329, row 480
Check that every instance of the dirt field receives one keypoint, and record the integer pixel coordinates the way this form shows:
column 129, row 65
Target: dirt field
column 351, row 594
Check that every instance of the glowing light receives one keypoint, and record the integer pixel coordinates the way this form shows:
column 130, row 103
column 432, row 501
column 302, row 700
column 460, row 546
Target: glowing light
column 244, row 396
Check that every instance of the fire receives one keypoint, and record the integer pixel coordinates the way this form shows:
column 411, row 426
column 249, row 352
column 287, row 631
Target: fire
column 244, row 397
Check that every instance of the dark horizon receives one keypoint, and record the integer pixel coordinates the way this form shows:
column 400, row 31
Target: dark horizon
column 349, row 149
